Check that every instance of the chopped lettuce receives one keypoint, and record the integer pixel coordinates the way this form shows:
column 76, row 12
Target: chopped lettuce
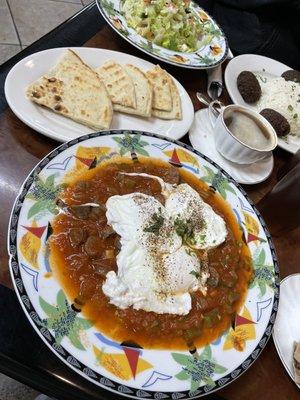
column 167, row 23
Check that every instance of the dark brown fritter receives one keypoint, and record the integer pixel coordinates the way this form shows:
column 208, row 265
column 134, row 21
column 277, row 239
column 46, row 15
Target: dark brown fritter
column 277, row 120
column 248, row 86
column 291, row 75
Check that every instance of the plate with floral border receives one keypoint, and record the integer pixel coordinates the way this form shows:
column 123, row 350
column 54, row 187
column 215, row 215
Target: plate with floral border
column 213, row 46
column 123, row 368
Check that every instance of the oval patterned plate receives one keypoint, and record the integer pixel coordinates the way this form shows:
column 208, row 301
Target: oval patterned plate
column 212, row 51
column 126, row 370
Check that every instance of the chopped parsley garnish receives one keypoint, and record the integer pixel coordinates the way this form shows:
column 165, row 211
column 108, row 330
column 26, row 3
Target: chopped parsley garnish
column 195, row 274
column 181, row 226
column 263, row 79
column 295, row 116
column 202, row 238
column 156, row 223
column 189, row 251
column 290, row 107
column 184, row 229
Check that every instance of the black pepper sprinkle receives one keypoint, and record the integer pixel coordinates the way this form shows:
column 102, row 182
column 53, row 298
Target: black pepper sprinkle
column 36, row 94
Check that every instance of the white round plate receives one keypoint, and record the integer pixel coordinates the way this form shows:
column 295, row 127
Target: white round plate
column 287, row 326
column 202, row 138
column 213, row 47
column 124, row 368
column 256, row 63
column 63, row 129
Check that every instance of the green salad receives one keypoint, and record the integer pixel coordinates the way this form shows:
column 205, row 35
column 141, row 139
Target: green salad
column 167, row 23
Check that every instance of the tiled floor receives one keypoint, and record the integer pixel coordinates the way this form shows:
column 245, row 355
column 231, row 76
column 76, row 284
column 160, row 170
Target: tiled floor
column 24, row 21
column 12, row 390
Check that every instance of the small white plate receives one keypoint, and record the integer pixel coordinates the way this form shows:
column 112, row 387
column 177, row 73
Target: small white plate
column 287, row 324
column 202, row 139
column 255, row 63
column 63, row 129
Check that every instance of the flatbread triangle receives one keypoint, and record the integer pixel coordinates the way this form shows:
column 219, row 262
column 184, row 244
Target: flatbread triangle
column 74, row 90
column 118, row 83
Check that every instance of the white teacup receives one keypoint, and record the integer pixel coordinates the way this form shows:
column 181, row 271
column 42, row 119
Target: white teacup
column 232, row 148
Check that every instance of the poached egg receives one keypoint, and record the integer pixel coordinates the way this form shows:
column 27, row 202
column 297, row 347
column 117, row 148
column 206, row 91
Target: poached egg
column 186, row 205
column 158, row 267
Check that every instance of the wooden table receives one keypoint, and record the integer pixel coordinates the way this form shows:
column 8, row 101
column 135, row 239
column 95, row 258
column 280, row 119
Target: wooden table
column 21, row 148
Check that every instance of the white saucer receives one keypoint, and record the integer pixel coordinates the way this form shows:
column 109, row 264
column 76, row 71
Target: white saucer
column 287, row 324
column 202, row 139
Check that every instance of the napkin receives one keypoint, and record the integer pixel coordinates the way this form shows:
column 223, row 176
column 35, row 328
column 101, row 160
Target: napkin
column 215, row 81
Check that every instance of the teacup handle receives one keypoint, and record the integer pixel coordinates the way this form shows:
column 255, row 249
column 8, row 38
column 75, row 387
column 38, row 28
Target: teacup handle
column 213, row 111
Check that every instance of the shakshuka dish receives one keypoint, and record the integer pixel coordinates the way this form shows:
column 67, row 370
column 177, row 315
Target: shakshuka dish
column 150, row 254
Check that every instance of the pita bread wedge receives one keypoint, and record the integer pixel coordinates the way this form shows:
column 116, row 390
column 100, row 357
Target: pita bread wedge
column 162, row 99
column 118, row 83
column 143, row 93
column 74, row 90
column 176, row 112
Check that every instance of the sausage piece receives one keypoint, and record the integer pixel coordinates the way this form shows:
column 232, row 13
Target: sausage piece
column 77, row 236
column 172, row 176
column 92, row 246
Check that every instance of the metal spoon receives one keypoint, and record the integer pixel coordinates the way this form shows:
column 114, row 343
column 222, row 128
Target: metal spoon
column 203, row 98
column 217, row 106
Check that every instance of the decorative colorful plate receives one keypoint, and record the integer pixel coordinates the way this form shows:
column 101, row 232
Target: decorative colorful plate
column 130, row 371
column 213, row 47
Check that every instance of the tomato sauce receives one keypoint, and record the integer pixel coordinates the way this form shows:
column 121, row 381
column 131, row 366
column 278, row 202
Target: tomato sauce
column 83, row 249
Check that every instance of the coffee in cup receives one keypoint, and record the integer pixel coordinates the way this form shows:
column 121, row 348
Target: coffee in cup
column 248, row 130
column 242, row 135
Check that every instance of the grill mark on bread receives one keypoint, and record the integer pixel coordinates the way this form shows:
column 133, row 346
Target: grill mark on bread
column 71, row 87
column 118, row 83
column 162, row 98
